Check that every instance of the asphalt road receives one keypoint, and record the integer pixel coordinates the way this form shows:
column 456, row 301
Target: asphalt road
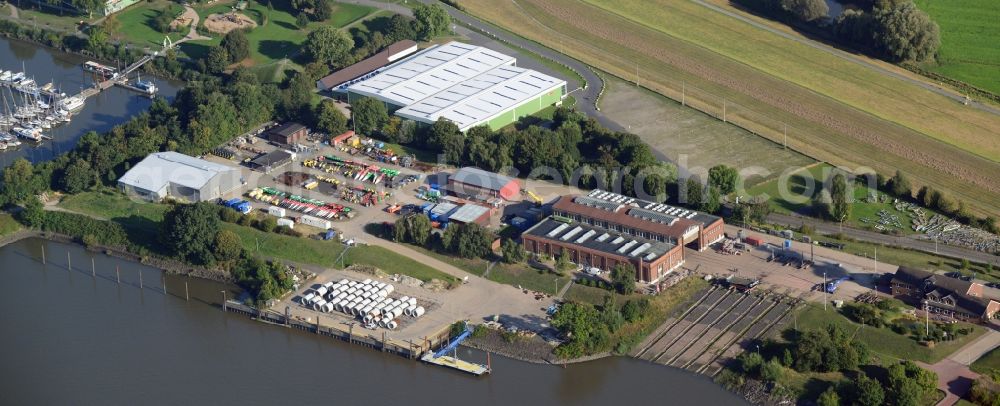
column 905, row 242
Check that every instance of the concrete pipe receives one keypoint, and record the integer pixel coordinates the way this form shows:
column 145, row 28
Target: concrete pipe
column 391, row 325
column 381, row 323
column 409, row 310
column 412, row 301
column 419, row 311
column 366, row 281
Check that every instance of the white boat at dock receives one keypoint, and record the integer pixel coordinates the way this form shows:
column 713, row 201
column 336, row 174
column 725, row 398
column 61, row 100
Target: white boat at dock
column 72, row 103
column 32, row 134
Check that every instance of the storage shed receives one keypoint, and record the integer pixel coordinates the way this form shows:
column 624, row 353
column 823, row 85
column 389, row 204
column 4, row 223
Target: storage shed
column 288, row 133
column 475, row 183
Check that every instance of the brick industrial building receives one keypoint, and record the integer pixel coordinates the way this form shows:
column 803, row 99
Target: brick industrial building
column 603, row 229
column 288, row 134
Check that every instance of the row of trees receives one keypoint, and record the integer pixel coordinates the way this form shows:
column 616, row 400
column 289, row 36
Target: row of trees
column 615, row 159
column 899, row 186
column 892, row 29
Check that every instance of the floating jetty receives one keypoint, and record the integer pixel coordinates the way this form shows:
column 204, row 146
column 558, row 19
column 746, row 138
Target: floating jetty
column 441, row 358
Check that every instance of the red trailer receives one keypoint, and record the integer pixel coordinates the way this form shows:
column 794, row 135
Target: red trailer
column 754, row 241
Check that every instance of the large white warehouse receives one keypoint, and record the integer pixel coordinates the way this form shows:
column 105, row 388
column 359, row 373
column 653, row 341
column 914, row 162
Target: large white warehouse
column 466, row 84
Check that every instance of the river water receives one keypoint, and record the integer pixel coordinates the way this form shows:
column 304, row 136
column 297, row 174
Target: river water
column 70, row 338
column 102, row 112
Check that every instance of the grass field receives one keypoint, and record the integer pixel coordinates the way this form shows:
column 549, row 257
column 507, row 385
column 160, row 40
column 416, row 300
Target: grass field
column 8, row 225
column 915, row 259
column 969, row 38
column 834, row 110
column 883, row 341
column 50, row 19
column 136, row 22
column 694, row 139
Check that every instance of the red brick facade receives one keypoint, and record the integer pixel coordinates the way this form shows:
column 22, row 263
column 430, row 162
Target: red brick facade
column 645, row 271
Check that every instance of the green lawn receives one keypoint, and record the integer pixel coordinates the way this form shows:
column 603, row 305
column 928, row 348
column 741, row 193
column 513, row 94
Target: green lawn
column 277, row 36
column 969, row 37
column 392, row 262
column 527, row 278
column 8, row 225
column 587, row 294
column 51, row 19
column 883, row 341
column 987, row 362
column 547, row 112
column 136, row 22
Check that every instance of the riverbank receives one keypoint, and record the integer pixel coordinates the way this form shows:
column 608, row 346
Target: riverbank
column 171, row 267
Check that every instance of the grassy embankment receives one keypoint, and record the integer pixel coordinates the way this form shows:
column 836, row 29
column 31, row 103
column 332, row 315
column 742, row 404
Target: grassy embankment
column 146, row 216
column 835, row 110
column 882, row 341
column 988, row 362
column 8, row 225
column 969, row 37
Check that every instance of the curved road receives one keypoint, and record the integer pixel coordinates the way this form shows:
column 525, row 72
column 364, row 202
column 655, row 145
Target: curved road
column 848, row 57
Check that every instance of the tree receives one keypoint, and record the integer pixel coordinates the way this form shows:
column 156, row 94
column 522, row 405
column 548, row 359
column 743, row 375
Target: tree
column 806, row 10
column 750, row 362
column 432, row 20
column 925, row 196
column 623, row 278
column 909, row 384
column 329, row 45
column 828, row 397
column 906, row 33
column 414, row 229
column 237, row 45
column 724, row 177
column 694, row 193
column 840, row 204
column 712, row 202
column 369, row 115
column 512, row 251
column 78, row 177
column 445, row 137
column 631, row 311
column 188, row 231
column 163, row 20
column 470, row 240
column 267, row 224
column 302, row 20
column 19, row 182
column 868, row 391
column 322, row 10
column 228, row 245
column 563, row 263
column 97, row 37
column 771, row 371
column 330, row 119
column 216, row 60
column 899, row 185
column 945, row 203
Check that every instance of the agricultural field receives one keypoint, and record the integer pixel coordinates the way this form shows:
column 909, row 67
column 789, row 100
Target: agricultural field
column 135, row 24
column 690, row 138
column 276, row 36
column 969, row 37
column 834, row 110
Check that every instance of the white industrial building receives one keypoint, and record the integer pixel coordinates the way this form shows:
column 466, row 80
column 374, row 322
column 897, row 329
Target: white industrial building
column 171, row 174
column 466, row 84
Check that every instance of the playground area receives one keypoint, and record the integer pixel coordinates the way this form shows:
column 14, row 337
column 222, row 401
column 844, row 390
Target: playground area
column 223, row 23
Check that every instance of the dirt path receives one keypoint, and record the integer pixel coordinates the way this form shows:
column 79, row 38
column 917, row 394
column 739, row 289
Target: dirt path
column 193, row 34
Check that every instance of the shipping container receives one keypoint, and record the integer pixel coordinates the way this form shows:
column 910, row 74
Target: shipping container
column 276, row 211
column 315, row 222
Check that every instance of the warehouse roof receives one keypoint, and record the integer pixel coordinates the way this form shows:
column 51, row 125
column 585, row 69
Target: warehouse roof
column 158, row 170
column 600, row 239
column 276, row 157
column 471, row 175
column 287, row 129
column 380, row 59
column 430, row 71
column 483, row 97
column 468, row 213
